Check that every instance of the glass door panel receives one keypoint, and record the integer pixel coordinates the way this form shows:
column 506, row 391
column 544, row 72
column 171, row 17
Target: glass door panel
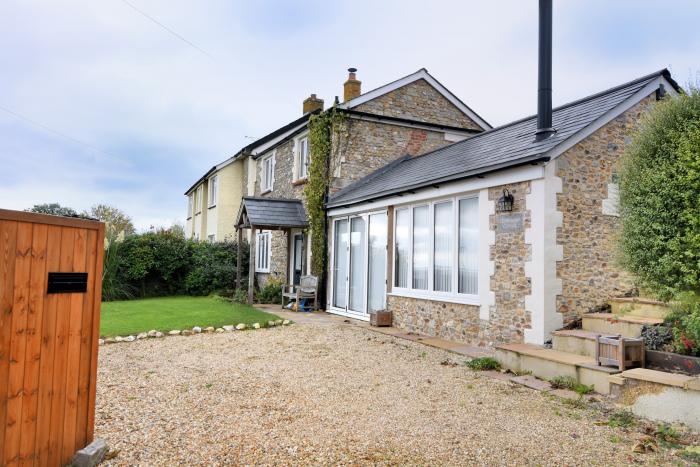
column 340, row 263
column 377, row 262
column 358, row 246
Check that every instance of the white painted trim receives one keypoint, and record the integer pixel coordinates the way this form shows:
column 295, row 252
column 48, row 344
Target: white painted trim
column 608, row 116
column 264, row 147
column 502, row 177
column 545, row 219
column 348, row 314
column 435, row 296
column 487, row 267
column 420, row 74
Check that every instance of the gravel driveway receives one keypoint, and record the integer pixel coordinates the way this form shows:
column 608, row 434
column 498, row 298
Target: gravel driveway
column 307, row 394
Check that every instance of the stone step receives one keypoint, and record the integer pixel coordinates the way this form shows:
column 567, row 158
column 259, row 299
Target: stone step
column 611, row 324
column 575, row 341
column 640, row 307
column 549, row 363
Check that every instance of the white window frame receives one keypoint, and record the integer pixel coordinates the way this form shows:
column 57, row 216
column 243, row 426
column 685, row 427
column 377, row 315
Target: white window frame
column 213, row 190
column 363, row 314
column 454, row 296
column 301, row 165
column 190, row 205
column 267, row 180
column 198, row 199
column 262, row 264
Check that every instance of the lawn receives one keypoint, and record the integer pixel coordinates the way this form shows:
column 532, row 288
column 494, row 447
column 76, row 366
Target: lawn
column 123, row 318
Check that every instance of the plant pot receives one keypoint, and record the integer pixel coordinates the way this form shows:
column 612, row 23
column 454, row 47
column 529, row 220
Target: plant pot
column 622, row 352
column 380, row 318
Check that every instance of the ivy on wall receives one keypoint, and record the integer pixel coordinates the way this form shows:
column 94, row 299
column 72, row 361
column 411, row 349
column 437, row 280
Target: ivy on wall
column 326, row 132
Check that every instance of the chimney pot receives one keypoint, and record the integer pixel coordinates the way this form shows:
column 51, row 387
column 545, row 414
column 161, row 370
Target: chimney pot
column 312, row 103
column 352, row 87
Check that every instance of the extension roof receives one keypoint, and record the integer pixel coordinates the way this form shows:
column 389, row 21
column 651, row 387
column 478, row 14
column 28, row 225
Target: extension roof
column 502, row 147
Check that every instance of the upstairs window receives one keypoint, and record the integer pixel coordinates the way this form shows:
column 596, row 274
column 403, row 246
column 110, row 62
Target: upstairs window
column 302, row 159
column 262, row 252
column 267, row 177
column 213, row 186
column 190, row 205
column 198, row 199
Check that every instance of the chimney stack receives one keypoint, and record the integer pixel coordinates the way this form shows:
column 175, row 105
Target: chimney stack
column 312, row 103
column 544, row 76
column 352, row 87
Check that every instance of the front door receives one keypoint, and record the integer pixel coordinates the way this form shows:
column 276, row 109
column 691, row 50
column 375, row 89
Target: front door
column 297, row 257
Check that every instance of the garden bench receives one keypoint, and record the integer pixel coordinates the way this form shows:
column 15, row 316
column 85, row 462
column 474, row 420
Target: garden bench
column 306, row 290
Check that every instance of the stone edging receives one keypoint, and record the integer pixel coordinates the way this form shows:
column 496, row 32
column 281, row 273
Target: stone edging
column 153, row 334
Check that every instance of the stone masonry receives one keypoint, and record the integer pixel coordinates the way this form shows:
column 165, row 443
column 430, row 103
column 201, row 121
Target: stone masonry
column 418, row 101
column 589, row 272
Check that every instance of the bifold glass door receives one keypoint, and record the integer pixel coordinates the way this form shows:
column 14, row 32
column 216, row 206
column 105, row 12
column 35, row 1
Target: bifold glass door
column 359, row 263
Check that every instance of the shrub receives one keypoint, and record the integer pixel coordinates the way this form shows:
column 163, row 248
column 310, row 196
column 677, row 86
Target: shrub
column 570, row 383
column 659, row 209
column 213, row 268
column 621, row 418
column 657, row 337
column 271, row 292
column 484, row 363
column 684, row 322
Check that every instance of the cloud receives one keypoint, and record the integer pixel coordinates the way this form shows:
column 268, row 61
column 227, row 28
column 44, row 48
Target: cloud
column 164, row 112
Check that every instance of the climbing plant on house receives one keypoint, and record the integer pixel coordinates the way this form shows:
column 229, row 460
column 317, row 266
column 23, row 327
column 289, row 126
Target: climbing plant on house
column 327, row 133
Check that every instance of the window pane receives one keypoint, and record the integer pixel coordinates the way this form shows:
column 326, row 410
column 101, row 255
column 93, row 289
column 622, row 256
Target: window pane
column 468, row 245
column 340, row 263
column 421, row 250
column 357, row 264
column 401, row 249
column 442, row 279
column 377, row 261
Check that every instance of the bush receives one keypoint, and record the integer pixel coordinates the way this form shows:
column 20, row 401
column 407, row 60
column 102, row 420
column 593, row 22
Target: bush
column 484, row 363
column 165, row 263
column 271, row 292
column 659, row 209
column 684, row 322
column 570, row 383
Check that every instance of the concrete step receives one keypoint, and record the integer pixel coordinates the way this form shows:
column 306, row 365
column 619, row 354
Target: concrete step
column 640, row 307
column 575, row 341
column 611, row 324
column 549, row 363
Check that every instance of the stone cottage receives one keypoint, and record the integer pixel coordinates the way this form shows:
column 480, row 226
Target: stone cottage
column 502, row 237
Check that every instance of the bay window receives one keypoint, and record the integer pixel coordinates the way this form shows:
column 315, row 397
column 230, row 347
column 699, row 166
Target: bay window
column 436, row 249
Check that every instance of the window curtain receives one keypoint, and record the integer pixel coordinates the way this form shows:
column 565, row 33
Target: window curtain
column 401, row 250
column 443, row 257
column 421, row 251
column 468, row 245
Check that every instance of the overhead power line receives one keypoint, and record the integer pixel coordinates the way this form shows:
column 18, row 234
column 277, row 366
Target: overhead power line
column 55, row 132
column 146, row 15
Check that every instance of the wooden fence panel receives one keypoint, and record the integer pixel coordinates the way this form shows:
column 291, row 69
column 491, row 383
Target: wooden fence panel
column 48, row 342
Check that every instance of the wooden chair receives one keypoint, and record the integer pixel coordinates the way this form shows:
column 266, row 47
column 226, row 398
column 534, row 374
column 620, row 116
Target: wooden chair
column 306, row 290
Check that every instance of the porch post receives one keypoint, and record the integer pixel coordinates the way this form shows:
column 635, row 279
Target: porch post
column 239, row 261
column 290, row 252
column 251, row 266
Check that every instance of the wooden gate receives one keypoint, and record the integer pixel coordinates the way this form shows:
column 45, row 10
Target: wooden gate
column 48, row 335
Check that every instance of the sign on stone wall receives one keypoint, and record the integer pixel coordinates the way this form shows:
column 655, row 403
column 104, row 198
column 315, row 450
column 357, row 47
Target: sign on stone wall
column 509, row 223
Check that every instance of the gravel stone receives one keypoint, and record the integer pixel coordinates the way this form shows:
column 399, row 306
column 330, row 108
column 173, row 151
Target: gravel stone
column 256, row 325
column 142, row 335
column 332, row 395
column 219, row 330
column 240, row 326
column 228, row 327
column 196, row 329
column 152, row 333
column 174, row 332
column 129, row 338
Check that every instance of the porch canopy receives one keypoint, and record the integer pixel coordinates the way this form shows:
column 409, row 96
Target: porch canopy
column 258, row 213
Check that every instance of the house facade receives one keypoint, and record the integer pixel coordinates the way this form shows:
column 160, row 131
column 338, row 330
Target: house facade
column 412, row 115
column 498, row 238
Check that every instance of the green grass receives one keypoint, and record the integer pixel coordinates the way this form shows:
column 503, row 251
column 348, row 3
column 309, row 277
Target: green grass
column 123, row 318
column 484, row 363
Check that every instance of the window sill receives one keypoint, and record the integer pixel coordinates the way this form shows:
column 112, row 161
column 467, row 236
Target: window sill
column 264, row 192
column 212, row 206
column 189, row 218
column 436, row 296
column 262, row 271
column 301, row 181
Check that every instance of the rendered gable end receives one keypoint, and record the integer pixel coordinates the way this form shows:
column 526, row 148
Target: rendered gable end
column 420, row 101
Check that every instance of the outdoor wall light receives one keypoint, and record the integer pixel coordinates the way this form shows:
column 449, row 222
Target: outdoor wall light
column 505, row 202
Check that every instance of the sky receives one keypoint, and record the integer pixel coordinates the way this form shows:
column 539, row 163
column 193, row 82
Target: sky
column 99, row 104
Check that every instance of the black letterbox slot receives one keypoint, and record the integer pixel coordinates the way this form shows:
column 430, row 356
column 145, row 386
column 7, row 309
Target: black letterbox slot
column 67, row 282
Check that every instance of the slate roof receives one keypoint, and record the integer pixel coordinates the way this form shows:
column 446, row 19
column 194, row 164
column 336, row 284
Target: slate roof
column 271, row 212
column 505, row 146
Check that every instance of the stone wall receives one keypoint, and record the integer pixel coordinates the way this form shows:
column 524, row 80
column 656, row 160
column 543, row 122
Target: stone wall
column 588, row 271
column 418, row 101
column 369, row 146
column 508, row 318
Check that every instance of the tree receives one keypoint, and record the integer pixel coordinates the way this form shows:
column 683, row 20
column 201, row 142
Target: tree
column 118, row 223
column 660, row 199
column 53, row 209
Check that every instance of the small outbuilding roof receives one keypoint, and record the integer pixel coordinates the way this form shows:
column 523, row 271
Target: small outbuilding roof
column 505, row 146
column 272, row 213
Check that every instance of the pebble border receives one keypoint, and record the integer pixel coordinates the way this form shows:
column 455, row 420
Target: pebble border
column 153, row 334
